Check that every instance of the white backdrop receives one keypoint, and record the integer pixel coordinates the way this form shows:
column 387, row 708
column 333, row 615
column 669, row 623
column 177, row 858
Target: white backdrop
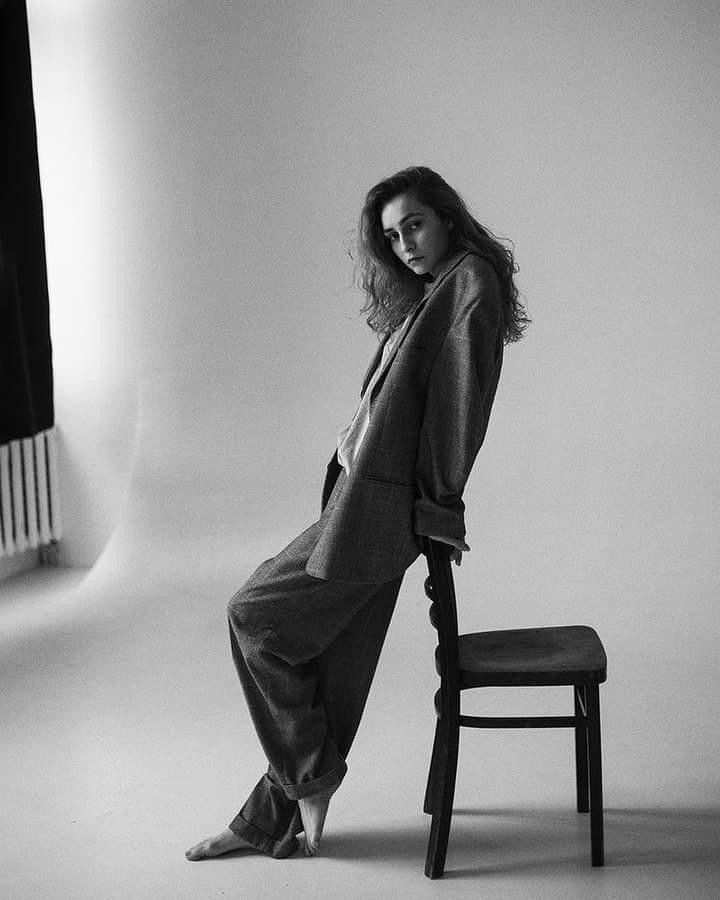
column 202, row 165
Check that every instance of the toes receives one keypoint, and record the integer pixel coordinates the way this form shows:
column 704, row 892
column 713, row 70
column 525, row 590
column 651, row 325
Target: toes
column 203, row 850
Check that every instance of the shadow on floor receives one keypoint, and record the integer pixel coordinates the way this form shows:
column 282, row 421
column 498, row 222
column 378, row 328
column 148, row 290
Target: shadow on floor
column 507, row 840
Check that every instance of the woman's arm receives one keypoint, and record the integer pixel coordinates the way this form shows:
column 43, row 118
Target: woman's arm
column 460, row 392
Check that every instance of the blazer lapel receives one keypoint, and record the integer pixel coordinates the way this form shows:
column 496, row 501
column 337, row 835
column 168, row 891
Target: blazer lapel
column 375, row 362
column 432, row 287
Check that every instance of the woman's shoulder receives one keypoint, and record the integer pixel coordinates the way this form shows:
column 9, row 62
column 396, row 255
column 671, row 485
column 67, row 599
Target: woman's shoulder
column 470, row 262
column 468, row 289
column 471, row 278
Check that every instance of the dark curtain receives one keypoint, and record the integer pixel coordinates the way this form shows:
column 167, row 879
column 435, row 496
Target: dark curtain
column 26, row 381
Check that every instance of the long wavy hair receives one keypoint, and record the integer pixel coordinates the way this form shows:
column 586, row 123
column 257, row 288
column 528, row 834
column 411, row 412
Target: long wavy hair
column 390, row 288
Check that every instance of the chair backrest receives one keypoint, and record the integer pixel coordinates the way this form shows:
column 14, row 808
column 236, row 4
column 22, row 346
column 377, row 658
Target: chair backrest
column 440, row 590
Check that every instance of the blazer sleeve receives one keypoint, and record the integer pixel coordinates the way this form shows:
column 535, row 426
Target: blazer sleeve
column 461, row 388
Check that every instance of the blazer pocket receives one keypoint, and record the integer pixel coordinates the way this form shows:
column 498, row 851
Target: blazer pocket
column 393, row 467
column 383, row 480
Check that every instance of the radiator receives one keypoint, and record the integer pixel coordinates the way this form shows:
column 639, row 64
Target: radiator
column 29, row 494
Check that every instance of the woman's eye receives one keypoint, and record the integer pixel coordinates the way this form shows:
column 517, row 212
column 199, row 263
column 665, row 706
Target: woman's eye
column 392, row 238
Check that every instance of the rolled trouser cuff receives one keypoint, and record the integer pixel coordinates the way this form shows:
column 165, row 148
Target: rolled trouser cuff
column 327, row 782
column 265, row 843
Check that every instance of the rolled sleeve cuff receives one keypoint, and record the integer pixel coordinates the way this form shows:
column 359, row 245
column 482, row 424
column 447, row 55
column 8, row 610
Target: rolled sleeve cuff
column 442, row 523
column 458, row 545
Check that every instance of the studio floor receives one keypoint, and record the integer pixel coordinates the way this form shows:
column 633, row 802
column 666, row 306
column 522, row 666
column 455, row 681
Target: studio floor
column 125, row 740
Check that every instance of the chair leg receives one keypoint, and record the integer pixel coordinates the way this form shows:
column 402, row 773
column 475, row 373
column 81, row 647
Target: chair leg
column 430, row 791
column 581, row 750
column 596, row 793
column 445, row 768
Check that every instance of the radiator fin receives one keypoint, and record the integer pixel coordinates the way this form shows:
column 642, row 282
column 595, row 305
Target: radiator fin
column 29, row 493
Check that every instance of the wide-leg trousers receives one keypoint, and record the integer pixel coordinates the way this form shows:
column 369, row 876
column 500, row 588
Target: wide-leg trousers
column 305, row 650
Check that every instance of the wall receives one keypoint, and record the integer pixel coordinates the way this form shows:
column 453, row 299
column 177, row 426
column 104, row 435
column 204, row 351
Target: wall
column 89, row 213
column 202, row 165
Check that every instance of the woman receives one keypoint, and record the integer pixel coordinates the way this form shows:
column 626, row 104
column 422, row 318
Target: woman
column 307, row 628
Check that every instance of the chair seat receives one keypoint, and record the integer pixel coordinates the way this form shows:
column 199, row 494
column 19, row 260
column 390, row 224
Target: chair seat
column 571, row 654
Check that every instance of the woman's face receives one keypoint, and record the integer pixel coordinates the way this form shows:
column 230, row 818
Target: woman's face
column 417, row 235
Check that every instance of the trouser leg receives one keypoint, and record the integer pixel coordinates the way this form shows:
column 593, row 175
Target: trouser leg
column 347, row 668
column 305, row 651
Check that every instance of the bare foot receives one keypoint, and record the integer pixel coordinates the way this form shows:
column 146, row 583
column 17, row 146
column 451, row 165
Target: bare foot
column 312, row 812
column 225, row 842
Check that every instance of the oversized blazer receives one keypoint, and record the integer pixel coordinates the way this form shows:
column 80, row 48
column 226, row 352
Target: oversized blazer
column 429, row 412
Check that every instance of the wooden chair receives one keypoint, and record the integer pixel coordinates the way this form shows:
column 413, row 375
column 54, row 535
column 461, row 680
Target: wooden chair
column 571, row 655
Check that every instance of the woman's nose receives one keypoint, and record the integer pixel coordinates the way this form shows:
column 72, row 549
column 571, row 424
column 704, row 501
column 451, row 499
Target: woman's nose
column 406, row 243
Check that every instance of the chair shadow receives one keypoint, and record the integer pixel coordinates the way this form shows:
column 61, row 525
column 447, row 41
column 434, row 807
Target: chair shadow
column 540, row 841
